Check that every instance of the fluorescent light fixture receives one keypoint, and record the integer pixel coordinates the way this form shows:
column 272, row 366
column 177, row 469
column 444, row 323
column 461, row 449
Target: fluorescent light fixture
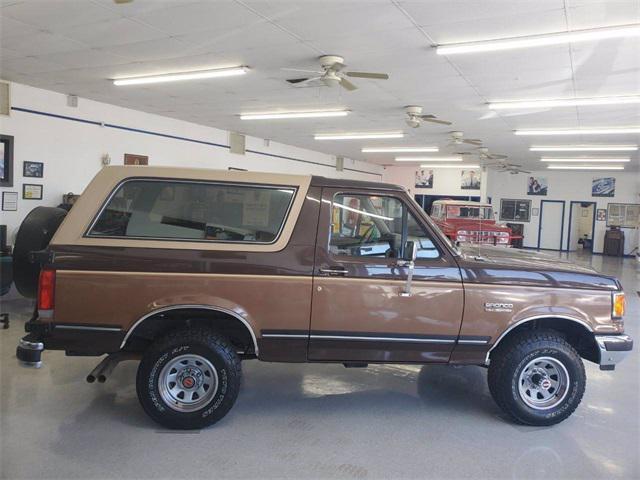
column 400, row 150
column 428, row 159
column 278, row 115
column 177, row 77
column 585, row 148
column 528, row 41
column 585, row 167
column 357, row 136
column 473, row 167
column 580, row 131
column 586, row 160
column 569, row 102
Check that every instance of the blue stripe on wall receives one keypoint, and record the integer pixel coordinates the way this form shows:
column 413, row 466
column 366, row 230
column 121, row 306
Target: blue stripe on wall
column 176, row 137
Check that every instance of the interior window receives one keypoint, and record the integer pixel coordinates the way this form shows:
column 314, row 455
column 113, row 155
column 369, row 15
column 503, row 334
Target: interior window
column 372, row 226
column 194, row 211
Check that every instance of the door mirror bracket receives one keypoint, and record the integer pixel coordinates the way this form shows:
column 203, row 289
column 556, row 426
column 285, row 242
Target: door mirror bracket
column 409, row 258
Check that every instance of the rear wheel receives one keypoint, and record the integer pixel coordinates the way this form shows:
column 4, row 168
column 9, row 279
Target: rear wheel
column 189, row 379
column 537, row 378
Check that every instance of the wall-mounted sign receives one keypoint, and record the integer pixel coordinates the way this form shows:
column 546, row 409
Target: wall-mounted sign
column 603, row 187
column 33, row 169
column 601, row 214
column 31, row 191
column 10, row 201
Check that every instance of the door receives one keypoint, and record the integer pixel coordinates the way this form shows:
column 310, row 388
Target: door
column 358, row 310
column 551, row 228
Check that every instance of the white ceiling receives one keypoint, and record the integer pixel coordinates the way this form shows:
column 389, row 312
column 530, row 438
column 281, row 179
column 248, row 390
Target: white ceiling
column 76, row 46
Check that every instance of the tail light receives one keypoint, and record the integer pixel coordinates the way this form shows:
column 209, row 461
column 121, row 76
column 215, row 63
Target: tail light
column 618, row 304
column 46, row 289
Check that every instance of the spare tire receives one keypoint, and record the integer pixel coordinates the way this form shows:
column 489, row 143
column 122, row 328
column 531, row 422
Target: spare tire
column 34, row 234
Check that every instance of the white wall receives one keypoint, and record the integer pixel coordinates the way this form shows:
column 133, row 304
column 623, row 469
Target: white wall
column 567, row 186
column 445, row 181
column 72, row 151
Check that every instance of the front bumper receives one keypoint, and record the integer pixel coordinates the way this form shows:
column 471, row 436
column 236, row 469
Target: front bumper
column 613, row 349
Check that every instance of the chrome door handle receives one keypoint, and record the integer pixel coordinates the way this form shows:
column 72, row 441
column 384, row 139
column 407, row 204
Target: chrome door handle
column 333, row 271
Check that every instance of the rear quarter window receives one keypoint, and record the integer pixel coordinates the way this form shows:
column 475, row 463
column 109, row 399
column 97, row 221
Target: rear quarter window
column 196, row 211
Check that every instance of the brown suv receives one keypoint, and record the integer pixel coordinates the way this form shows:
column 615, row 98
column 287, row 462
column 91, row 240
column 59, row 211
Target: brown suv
column 194, row 270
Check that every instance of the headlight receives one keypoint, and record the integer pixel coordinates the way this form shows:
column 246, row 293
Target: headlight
column 618, row 305
column 502, row 234
column 503, row 240
column 463, row 232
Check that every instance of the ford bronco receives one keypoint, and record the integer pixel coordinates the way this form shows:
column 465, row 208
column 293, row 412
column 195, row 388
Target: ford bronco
column 192, row 271
column 470, row 222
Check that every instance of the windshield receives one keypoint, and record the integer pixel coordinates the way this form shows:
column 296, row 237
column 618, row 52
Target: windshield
column 458, row 211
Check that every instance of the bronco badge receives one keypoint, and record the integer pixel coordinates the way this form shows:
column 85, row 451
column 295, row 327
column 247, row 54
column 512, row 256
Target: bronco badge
column 498, row 307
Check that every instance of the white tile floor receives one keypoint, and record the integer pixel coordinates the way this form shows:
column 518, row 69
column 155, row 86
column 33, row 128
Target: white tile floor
column 316, row 421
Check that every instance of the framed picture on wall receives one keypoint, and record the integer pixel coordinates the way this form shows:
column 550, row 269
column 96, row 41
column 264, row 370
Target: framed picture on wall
column 6, row 161
column 33, row 169
column 603, row 187
column 470, row 180
column 31, row 191
column 601, row 215
column 424, row 179
column 537, row 186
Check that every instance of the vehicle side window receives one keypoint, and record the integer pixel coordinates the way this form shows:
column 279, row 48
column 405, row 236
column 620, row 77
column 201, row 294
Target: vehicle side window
column 416, row 233
column 372, row 226
column 197, row 211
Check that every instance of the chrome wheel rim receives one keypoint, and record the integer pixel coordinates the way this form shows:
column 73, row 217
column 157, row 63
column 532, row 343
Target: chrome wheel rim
column 188, row 382
column 543, row 383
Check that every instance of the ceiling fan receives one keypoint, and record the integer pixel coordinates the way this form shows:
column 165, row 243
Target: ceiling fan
column 332, row 74
column 415, row 117
column 484, row 154
column 457, row 138
column 502, row 166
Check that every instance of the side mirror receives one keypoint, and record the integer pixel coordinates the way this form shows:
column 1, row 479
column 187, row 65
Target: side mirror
column 410, row 251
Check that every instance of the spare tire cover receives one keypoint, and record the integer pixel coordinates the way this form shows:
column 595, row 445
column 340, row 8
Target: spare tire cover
column 34, row 234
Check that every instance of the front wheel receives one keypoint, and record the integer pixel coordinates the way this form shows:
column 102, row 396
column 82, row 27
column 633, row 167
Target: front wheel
column 537, row 378
column 189, row 379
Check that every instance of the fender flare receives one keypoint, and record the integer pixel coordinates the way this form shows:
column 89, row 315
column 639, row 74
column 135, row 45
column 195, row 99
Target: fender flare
column 191, row 307
column 531, row 319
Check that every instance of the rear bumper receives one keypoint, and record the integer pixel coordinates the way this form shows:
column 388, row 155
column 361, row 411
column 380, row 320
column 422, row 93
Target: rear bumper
column 613, row 349
column 74, row 339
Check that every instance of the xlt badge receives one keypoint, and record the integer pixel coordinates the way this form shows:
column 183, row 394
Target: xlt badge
column 498, row 307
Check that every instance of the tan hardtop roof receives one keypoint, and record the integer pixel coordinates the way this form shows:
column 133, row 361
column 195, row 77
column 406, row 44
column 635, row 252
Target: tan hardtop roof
column 466, row 203
column 121, row 172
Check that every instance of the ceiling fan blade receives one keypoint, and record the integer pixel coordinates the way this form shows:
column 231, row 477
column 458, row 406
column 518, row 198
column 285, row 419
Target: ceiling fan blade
column 495, row 156
column 462, row 153
column 472, row 141
column 376, row 76
column 297, row 80
column 301, row 70
column 347, row 84
column 435, row 120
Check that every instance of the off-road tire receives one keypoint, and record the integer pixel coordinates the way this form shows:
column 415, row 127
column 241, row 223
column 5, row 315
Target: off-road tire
column 510, row 359
column 200, row 342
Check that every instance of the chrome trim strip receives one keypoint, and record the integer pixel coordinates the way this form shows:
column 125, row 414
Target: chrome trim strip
column 474, row 342
column 82, row 327
column 530, row 319
column 384, row 339
column 283, row 335
column 181, row 307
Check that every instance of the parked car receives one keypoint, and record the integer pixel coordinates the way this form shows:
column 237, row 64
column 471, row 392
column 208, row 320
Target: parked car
column 470, row 222
column 192, row 271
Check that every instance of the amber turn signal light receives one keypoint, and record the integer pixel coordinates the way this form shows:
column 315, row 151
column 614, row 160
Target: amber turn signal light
column 617, row 310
